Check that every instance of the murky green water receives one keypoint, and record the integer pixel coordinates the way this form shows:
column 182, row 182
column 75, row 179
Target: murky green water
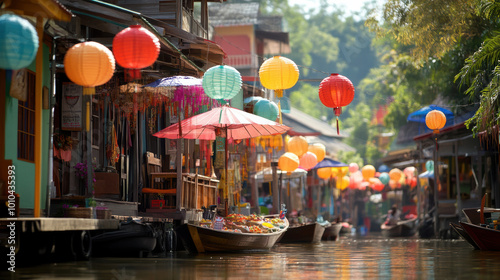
column 371, row 257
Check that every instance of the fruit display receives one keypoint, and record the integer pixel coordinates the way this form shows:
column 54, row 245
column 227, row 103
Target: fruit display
column 247, row 224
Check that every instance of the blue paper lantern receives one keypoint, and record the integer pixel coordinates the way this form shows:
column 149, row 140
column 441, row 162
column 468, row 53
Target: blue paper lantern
column 221, row 82
column 266, row 109
column 429, row 165
column 18, row 42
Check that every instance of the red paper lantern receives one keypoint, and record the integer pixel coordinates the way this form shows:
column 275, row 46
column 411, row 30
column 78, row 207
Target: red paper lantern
column 135, row 48
column 335, row 92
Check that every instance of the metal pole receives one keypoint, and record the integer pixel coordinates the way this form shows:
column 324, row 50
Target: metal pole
column 459, row 200
column 50, row 177
column 276, row 190
column 436, row 189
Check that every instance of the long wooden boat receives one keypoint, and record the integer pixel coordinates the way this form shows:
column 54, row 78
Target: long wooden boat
column 205, row 239
column 461, row 232
column 332, row 231
column 403, row 228
column 485, row 238
column 308, row 233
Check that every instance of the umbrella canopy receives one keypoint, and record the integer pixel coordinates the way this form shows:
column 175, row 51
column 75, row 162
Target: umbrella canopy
column 328, row 162
column 235, row 123
column 419, row 116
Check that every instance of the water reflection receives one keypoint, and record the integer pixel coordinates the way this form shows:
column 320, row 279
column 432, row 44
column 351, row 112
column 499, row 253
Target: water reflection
column 349, row 258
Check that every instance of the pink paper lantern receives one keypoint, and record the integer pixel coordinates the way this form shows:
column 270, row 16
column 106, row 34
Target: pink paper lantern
column 308, row 161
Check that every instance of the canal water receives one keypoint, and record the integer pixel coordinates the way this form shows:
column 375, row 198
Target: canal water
column 350, row 257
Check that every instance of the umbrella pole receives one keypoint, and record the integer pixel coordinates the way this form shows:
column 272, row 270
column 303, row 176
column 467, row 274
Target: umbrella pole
column 178, row 160
column 226, row 193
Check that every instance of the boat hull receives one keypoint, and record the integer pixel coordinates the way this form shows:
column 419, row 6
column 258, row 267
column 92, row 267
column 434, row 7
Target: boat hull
column 460, row 231
column 332, row 232
column 401, row 229
column 485, row 238
column 310, row 233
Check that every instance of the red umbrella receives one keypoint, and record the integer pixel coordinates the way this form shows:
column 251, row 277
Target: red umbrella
column 222, row 121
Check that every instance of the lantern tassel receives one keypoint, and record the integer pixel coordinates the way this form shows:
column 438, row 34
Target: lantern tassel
column 279, row 93
column 88, row 90
column 338, row 131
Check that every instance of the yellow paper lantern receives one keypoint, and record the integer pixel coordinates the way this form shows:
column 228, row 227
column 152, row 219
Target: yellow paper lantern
column 334, row 171
column 435, row 120
column 298, row 145
column 89, row 64
column 343, row 183
column 278, row 73
column 319, row 150
column 368, row 171
column 324, row 173
column 288, row 162
column 341, row 171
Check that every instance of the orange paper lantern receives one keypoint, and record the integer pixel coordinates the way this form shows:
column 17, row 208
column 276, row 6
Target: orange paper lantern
column 288, row 162
column 135, row 48
column 435, row 120
column 335, row 92
column 89, row 64
column 368, row 171
column 395, row 174
column 278, row 73
column 308, row 161
column 298, row 145
column 319, row 150
column 324, row 173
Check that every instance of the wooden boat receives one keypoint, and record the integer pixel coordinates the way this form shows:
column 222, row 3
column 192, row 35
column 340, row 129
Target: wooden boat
column 345, row 229
column 403, row 228
column 308, row 233
column 485, row 238
column 460, row 231
column 332, row 231
column 205, row 239
column 134, row 238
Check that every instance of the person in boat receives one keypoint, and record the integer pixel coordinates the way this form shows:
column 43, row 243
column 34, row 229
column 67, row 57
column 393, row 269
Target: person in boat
column 393, row 216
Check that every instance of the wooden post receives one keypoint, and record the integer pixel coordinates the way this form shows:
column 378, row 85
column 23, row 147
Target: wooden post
column 38, row 118
column 276, row 190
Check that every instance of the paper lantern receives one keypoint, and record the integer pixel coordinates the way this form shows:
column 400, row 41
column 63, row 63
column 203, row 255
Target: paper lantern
column 18, row 42
column 308, row 161
column 221, row 82
column 89, row 64
column 335, row 92
column 288, row 162
column 318, row 149
column 384, row 178
column 429, row 166
column 135, row 48
column 324, row 173
column 353, row 167
column 343, row 183
column 298, row 145
column 376, row 184
column 266, row 109
column 435, row 120
column 383, row 168
column 278, row 73
column 368, row 171
column 355, row 180
column 341, row 171
column 395, row 174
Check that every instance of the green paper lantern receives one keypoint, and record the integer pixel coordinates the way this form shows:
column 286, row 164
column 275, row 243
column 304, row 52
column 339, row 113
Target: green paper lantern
column 429, row 166
column 266, row 109
column 18, row 42
column 221, row 82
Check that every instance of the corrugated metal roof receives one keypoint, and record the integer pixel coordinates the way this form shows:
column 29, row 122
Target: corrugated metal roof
column 229, row 14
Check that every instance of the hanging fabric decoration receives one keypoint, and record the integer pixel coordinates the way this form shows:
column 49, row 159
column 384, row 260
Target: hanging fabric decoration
column 335, row 92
